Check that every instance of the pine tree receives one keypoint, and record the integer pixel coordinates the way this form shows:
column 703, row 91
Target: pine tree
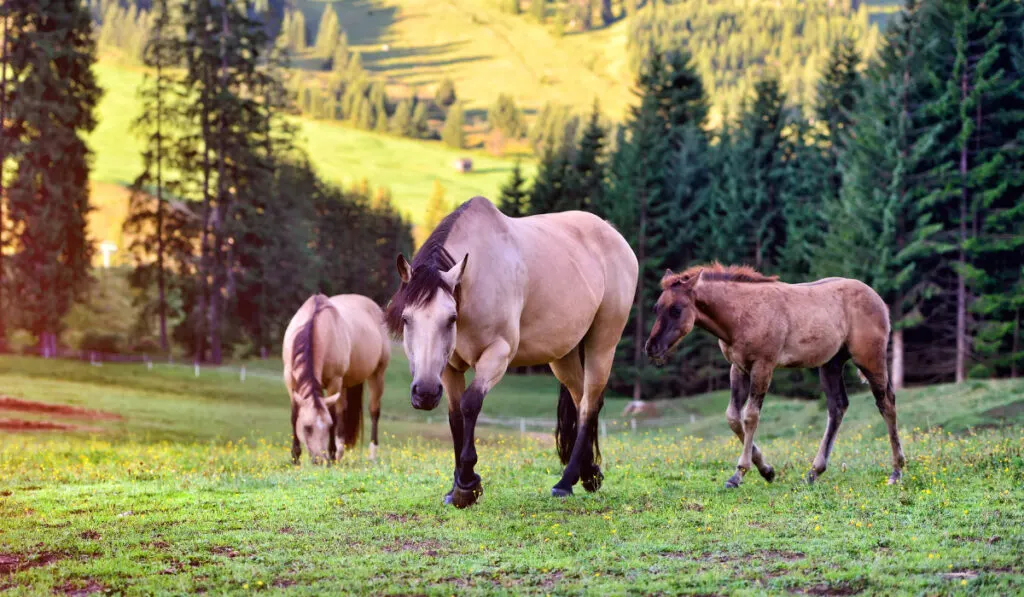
column 437, row 208
column 539, row 10
column 504, row 116
column 836, row 96
column 401, row 122
column 453, row 134
column 445, row 94
column 548, row 192
column 640, row 197
column 327, row 32
column 11, row 18
column 881, row 232
column 53, row 104
column 512, row 201
column 588, row 165
column 420, row 123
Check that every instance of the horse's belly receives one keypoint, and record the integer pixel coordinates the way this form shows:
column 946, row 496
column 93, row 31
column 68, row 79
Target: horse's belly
column 814, row 353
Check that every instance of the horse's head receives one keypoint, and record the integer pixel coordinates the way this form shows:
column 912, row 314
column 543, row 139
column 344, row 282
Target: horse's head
column 675, row 314
column 313, row 425
column 428, row 325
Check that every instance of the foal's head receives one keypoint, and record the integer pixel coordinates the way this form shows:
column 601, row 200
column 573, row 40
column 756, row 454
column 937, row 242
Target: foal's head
column 313, row 424
column 675, row 313
column 424, row 313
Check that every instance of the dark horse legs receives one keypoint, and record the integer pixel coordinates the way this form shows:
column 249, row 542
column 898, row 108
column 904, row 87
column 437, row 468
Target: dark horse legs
column 454, row 386
column 831, row 374
column 739, row 383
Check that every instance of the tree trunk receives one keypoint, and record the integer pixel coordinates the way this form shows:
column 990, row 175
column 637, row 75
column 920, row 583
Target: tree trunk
column 1016, row 344
column 961, row 284
column 161, row 292
column 202, row 280
column 897, row 359
column 217, row 294
column 3, row 159
column 638, row 330
column 607, row 17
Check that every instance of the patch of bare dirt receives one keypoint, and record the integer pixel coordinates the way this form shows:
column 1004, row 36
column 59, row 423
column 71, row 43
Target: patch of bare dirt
column 836, row 590
column 30, row 406
column 159, row 544
column 90, row 535
column 80, row 588
column 429, row 548
column 223, row 550
column 23, row 425
column 282, row 583
column 15, row 562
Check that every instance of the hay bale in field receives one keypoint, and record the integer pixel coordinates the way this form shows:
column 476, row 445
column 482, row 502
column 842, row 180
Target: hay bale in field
column 639, row 408
column 463, row 165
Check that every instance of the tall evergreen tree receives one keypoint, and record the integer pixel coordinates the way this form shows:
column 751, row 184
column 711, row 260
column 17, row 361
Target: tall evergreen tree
column 512, row 201
column 54, row 101
column 837, row 92
column 588, row 169
column 452, row 134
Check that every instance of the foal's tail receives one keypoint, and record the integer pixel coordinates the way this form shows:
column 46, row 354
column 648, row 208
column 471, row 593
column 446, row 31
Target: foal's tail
column 567, row 426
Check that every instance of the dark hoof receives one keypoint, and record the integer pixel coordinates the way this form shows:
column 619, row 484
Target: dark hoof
column 895, row 477
column 768, row 473
column 733, row 482
column 593, row 483
column 558, row 492
column 464, row 498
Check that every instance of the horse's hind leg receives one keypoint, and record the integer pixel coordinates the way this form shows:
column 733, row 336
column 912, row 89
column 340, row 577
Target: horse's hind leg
column 878, row 378
column 739, row 383
column 569, row 372
column 376, row 383
column 831, row 374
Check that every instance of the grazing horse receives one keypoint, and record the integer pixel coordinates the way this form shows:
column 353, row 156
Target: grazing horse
column 491, row 292
column 762, row 324
column 337, row 344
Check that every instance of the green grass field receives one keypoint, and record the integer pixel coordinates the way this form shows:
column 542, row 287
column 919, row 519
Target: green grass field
column 191, row 491
column 340, row 154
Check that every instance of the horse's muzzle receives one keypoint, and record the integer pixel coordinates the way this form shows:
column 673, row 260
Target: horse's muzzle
column 656, row 353
column 425, row 397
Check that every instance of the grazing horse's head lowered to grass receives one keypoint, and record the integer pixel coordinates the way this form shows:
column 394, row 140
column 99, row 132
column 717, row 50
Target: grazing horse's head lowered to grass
column 312, row 412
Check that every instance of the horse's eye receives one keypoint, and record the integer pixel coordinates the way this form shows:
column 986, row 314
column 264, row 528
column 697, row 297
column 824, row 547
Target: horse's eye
column 308, row 429
column 674, row 311
column 405, row 320
column 451, row 321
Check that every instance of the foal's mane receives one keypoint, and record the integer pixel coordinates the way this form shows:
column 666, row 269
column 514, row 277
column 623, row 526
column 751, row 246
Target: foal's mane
column 716, row 272
column 302, row 354
column 430, row 261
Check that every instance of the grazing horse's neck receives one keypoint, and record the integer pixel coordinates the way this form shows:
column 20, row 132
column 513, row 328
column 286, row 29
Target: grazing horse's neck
column 710, row 314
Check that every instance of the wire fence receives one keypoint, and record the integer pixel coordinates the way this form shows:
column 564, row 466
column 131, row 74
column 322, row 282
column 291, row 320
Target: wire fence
column 614, row 424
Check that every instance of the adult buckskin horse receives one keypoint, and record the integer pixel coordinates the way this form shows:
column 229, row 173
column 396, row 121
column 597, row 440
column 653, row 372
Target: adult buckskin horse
column 338, row 344
column 487, row 291
column 762, row 324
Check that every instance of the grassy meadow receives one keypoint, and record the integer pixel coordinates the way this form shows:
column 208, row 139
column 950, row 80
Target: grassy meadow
column 341, row 154
column 190, row 490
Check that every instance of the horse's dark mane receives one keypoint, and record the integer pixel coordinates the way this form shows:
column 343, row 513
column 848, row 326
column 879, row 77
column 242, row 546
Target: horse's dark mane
column 302, row 355
column 716, row 272
column 430, row 261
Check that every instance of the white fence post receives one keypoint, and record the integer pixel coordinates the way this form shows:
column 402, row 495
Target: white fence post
column 632, row 425
column 522, row 426
column 604, row 429
column 197, row 368
column 241, row 374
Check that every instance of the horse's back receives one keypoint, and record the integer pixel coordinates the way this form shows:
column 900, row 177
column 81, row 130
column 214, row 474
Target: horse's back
column 362, row 320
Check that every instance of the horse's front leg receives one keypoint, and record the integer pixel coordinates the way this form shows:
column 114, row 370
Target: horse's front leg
column 296, row 445
column 760, row 379
column 739, row 383
column 490, row 368
column 454, row 383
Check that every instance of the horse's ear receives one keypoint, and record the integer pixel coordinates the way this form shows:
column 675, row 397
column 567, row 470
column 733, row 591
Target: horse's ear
column 695, row 278
column 668, row 273
column 331, row 400
column 404, row 269
column 453, row 276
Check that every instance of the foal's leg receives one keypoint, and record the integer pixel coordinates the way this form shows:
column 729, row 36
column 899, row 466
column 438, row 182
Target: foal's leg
column 599, row 348
column 376, row 383
column 454, row 383
column 760, row 379
column 831, row 374
column 739, row 383
column 885, row 399
column 490, row 368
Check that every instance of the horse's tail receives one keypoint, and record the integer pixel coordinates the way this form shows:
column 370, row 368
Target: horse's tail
column 567, row 426
column 352, row 415
column 302, row 354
